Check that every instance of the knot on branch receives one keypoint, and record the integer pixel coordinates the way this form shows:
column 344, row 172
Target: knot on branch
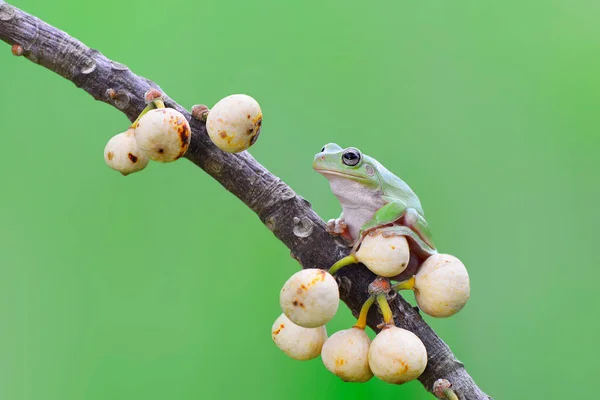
column 7, row 12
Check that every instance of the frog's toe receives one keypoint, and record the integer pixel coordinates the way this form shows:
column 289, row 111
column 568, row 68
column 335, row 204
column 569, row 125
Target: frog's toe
column 330, row 226
column 336, row 226
column 340, row 226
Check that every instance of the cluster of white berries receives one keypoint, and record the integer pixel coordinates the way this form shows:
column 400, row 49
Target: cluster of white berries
column 163, row 134
column 441, row 284
column 310, row 299
column 160, row 134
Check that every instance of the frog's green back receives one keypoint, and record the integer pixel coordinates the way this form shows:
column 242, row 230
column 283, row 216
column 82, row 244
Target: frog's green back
column 395, row 188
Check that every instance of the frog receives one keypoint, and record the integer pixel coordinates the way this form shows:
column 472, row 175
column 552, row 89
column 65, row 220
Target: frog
column 373, row 199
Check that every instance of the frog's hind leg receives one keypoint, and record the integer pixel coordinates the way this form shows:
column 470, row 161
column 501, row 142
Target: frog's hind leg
column 397, row 213
column 416, row 244
column 414, row 220
column 387, row 214
column 419, row 249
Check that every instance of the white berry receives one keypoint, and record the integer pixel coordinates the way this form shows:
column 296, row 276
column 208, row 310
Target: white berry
column 163, row 134
column 122, row 154
column 384, row 256
column 442, row 285
column 346, row 354
column 234, row 123
column 297, row 342
column 397, row 355
column 310, row 298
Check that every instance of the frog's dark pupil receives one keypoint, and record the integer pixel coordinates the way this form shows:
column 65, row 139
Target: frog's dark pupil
column 323, row 149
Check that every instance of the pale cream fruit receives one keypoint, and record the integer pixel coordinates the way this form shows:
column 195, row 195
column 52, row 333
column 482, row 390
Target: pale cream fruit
column 122, row 154
column 163, row 134
column 234, row 123
column 442, row 285
column 346, row 354
column 397, row 355
column 297, row 342
column 310, row 298
column 385, row 256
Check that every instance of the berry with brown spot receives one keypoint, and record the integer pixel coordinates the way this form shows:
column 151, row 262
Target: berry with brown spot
column 384, row 255
column 310, row 297
column 346, row 354
column 163, row 134
column 397, row 355
column 123, row 154
column 298, row 342
column 234, row 123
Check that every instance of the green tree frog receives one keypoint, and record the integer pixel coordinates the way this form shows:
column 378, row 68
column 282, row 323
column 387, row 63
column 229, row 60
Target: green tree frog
column 373, row 198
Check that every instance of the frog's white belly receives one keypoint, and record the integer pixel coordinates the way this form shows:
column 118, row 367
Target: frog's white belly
column 358, row 202
column 355, row 218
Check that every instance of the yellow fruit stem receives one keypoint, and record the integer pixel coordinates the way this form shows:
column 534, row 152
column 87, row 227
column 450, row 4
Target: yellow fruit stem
column 348, row 260
column 159, row 103
column 149, row 107
column 388, row 317
column 450, row 395
column 364, row 311
column 407, row 284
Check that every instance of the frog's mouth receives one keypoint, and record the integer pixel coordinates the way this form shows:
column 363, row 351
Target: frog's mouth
column 337, row 173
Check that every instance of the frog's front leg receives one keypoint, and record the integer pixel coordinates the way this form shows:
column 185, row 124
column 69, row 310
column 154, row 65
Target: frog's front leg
column 389, row 213
column 338, row 227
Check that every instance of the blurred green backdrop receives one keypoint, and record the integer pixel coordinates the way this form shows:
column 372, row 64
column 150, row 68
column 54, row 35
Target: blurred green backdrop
column 489, row 110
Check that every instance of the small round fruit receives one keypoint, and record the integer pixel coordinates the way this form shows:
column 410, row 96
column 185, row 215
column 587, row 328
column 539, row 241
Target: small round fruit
column 442, row 285
column 397, row 355
column 234, row 123
column 297, row 342
column 346, row 354
column 163, row 134
column 385, row 256
column 310, row 298
column 122, row 154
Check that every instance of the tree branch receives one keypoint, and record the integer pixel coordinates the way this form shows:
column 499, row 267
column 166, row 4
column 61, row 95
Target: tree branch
column 287, row 215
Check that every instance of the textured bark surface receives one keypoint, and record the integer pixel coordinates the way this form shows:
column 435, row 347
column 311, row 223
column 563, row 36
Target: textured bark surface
column 286, row 214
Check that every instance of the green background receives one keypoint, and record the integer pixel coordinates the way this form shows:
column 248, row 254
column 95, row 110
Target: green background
column 489, row 110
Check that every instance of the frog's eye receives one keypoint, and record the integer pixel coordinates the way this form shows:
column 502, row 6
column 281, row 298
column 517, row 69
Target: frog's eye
column 323, row 149
column 351, row 157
